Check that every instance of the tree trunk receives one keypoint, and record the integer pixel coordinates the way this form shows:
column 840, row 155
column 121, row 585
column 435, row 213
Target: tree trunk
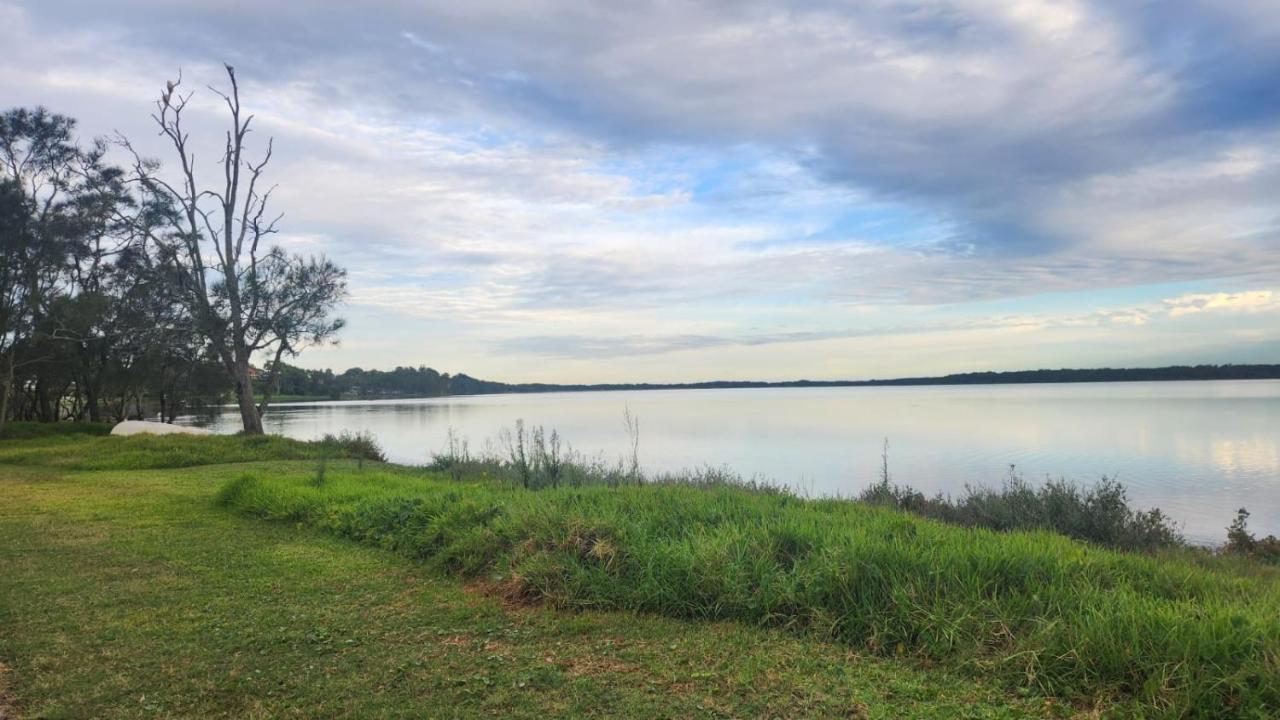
column 6, row 385
column 91, row 402
column 43, row 406
column 244, row 398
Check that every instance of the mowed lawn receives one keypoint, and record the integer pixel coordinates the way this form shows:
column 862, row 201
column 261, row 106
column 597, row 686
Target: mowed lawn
column 129, row 594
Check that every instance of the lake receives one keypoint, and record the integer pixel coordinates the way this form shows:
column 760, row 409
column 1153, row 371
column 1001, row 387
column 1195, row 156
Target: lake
column 1197, row 450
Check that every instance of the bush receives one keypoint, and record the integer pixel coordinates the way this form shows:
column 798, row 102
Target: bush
column 357, row 446
column 1242, row 542
column 1099, row 513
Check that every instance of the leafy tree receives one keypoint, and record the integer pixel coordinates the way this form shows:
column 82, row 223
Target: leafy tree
column 38, row 174
column 91, row 319
column 88, row 314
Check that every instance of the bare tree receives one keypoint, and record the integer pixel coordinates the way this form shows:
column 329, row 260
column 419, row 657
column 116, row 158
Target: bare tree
column 246, row 299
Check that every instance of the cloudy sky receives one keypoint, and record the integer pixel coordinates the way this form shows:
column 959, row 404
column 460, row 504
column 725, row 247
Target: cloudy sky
column 573, row 191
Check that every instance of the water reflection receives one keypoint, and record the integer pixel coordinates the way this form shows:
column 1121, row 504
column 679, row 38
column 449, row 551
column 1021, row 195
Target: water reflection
column 1199, row 450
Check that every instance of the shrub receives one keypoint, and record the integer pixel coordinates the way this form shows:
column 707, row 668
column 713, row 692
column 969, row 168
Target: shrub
column 1098, row 513
column 357, row 446
column 1242, row 542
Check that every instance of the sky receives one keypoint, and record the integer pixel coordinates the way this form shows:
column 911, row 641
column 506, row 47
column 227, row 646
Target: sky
column 570, row 191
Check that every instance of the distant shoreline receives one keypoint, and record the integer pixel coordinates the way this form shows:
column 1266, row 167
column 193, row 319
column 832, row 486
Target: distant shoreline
column 1173, row 373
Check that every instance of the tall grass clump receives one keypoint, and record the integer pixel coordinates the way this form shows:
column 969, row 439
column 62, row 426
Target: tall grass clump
column 534, row 458
column 355, row 445
column 1098, row 513
column 1163, row 635
column 458, row 461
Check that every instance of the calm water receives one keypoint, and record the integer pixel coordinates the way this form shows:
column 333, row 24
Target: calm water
column 1198, row 450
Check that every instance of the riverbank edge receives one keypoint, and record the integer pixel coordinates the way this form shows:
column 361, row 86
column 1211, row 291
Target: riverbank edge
column 129, row 592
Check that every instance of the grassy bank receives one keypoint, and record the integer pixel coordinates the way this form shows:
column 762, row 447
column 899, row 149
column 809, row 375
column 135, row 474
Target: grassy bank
column 1038, row 611
column 33, row 430
column 131, row 579
column 127, row 592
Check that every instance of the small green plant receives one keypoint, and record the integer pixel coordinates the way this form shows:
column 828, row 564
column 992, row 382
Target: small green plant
column 228, row 493
column 632, row 425
column 321, row 466
column 547, row 456
column 456, row 456
column 518, row 456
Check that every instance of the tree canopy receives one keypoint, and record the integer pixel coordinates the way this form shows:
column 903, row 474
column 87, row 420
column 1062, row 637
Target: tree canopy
column 132, row 291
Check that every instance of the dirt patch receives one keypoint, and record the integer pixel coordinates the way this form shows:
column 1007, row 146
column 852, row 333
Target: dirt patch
column 453, row 641
column 497, row 647
column 1093, row 712
column 7, row 709
column 513, row 594
column 592, row 665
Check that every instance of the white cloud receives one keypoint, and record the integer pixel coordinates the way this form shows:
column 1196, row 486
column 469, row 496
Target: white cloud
column 1251, row 301
column 688, row 178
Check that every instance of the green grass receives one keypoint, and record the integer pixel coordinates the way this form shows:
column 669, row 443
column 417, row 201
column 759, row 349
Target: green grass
column 296, row 398
column 34, row 430
column 72, row 451
column 1171, row 635
column 126, row 592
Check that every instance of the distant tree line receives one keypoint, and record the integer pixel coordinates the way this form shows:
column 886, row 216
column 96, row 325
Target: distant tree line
column 127, row 292
column 427, row 382
column 1172, row 372
column 400, row 382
